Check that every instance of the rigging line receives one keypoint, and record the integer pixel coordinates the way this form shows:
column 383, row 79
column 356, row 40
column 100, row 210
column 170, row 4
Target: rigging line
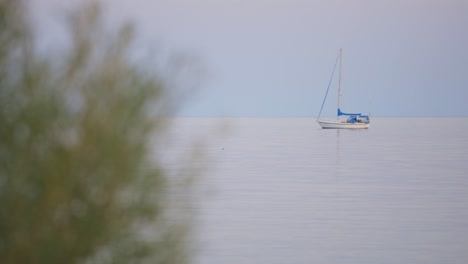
column 328, row 88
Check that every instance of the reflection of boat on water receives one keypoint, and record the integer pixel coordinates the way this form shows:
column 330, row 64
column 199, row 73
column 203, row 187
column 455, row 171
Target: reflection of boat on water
column 352, row 121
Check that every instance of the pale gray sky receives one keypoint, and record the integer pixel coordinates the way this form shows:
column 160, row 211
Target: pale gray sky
column 274, row 57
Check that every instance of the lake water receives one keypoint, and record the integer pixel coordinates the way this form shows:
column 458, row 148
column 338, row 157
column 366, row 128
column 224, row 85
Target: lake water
column 286, row 191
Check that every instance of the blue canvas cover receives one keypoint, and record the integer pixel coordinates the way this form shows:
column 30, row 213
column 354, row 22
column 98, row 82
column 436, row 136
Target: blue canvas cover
column 348, row 114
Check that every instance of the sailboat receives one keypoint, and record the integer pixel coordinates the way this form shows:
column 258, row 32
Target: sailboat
column 353, row 120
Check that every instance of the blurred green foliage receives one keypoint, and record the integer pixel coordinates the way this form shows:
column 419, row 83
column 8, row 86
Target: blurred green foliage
column 78, row 183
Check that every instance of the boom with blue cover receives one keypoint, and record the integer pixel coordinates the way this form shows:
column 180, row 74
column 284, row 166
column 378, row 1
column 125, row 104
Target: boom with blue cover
column 348, row 114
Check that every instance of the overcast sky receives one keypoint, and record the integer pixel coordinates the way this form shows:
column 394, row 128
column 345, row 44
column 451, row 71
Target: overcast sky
column 274, row 57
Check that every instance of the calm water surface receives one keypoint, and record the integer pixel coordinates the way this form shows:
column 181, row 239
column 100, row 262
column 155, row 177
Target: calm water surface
column 286, row 191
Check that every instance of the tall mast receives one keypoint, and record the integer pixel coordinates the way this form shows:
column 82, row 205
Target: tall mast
column 339, row 82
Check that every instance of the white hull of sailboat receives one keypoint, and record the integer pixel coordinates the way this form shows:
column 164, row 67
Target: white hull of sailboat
column 342, row 125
